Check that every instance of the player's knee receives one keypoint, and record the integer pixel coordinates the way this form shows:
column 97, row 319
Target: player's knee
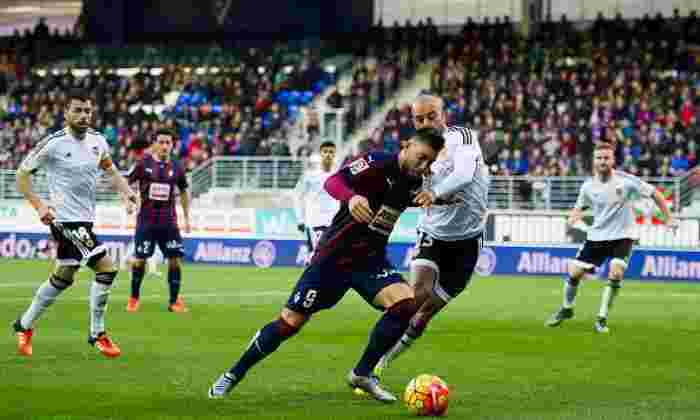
column 138, row 263
column 286, row 329
column 403, row 309
column 106, row 278
column 575, row 274
column 60, row 282
column 293, row 320
column 614, row 283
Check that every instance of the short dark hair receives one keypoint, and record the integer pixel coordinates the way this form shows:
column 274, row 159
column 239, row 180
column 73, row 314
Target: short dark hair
column 430, row 136
column 165, row 132
column 78, row 95
column 326, row 144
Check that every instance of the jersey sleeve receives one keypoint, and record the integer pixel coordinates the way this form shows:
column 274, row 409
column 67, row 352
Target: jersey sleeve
column 583, row 201
column 467, row 160
column 639, row 188
column 358, row 177
column 37, row 157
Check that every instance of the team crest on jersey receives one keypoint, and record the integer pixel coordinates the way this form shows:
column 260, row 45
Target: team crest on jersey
column 95, row 150
column 360, row 165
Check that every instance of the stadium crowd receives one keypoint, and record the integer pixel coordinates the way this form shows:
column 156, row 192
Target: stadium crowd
column 542, row 103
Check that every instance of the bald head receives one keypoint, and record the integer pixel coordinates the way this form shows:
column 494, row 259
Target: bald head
column 428, row 112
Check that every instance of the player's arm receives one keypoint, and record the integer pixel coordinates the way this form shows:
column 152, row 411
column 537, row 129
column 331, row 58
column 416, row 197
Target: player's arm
column 582, row 203
column 299, row 205
column 119, row 183
column 343, row 185
column 647, row 190
column 183, row 185
column 34, row 160
column 467, row 160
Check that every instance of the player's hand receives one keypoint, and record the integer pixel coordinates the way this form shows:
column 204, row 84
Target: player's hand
column 46, row 214
column 575, row 216
column 360, row 210
column 131, row 202
column 425, row 198
column 301, row 227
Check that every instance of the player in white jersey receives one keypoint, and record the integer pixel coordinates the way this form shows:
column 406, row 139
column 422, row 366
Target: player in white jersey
column 610, row 194
column 73, row 158
column 315, row 208
column 450, row 230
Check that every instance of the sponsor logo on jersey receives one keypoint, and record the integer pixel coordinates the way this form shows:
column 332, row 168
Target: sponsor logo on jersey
column 360, row 165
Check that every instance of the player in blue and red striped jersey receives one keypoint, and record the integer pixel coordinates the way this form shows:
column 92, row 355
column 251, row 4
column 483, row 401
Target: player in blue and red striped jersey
column 161, row 179
column 373, row 190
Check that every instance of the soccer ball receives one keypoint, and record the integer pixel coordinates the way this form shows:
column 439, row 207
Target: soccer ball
column 426, row 395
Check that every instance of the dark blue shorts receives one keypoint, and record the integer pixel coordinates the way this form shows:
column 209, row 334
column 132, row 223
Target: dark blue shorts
column 321, row 287
column 167, row 237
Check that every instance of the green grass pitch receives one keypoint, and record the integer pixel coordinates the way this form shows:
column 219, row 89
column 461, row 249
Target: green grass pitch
column 490, row 345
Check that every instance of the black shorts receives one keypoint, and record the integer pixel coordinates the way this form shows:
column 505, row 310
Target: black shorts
column 594, row 253
column 167, row 237
column 453, row 261
column 322, row 287
column 77, row 243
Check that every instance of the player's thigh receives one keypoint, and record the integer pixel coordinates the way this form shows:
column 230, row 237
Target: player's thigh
column 144, row 242
column 620, row 253
column 425, row 266
column 317, row 289
column 382, row 287
column 66, row 272
column 457, row 264
column 589, row 256
column 170, row 242
column 77, row 242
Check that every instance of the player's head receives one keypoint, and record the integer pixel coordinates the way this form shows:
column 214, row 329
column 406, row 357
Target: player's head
column 327, row 151
column 420, row 152
column 428, row 112
column 163, row 142
column 78, row 112
column 604, row 158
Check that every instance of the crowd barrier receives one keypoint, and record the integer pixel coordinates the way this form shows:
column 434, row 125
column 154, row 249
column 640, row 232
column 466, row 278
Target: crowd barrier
column 500, row 259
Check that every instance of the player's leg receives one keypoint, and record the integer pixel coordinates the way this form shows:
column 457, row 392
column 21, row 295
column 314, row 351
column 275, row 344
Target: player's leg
column 385, row 289
column 45, row 296
column 143, row 249
column 440, row 274
column 170, row 244
column 310, row 295
column 105, row 274
column 621, row 252
column 587, row 258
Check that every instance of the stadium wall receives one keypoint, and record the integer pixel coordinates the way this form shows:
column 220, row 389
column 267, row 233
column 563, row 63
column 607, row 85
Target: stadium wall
column 497, row 259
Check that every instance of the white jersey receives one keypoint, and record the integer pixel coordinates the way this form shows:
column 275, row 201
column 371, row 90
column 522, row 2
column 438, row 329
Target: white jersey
column 73, row 167
column 460, row 180
column 612, row 204
column 315, row 207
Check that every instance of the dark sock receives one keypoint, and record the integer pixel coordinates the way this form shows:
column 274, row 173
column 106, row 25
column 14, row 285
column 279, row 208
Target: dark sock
column 136, row 279
column 387, row 331
column 174, row 283
column 265, row 342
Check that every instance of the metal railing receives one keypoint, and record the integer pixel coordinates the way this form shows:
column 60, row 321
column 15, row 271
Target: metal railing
column 272, row 174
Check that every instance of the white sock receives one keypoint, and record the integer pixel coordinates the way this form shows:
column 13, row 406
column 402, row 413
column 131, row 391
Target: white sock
column 569, row 295
column 152, row 266
column 99, row 293
column 609, row 294
column 45, row 295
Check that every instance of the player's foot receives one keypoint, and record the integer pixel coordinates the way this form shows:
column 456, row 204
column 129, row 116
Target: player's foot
column 559, row 316
column 178, row 306
column 223, row 385
column 105, row 345
column 370, row 385
column 378, row 370
column 133, row 304
column 24, row 339
column 601, row 326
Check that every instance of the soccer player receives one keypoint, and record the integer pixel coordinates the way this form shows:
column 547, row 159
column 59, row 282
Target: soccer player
column 450, row 230
column 374, row 190
column 315, row 208
column 74, row 158
column 610, row 194
column 160, row 180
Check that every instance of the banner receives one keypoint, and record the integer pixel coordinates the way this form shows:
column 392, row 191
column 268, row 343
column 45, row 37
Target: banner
column 645, row 264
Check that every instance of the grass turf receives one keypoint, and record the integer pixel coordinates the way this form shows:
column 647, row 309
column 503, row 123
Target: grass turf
column 490, row 346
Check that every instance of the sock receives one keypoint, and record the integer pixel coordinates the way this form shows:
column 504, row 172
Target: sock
column 609, row 294
column 570, row 290
column 99, row 294
column 137, row 273
column 264, row 343
column 387, row 331
column 45, row 296
column 174, row 283
column 413, row 332
column 153, row 265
